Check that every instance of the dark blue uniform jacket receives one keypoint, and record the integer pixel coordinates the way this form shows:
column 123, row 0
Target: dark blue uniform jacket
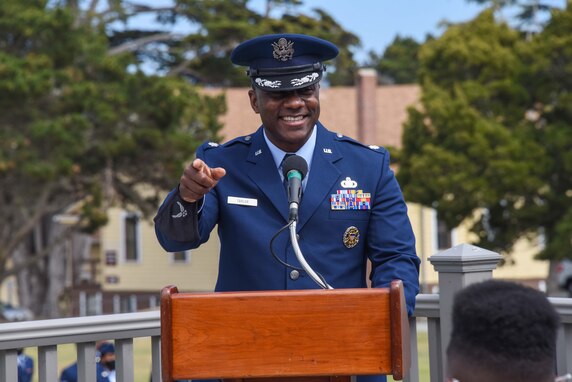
column 250, row 205
column 339, row 165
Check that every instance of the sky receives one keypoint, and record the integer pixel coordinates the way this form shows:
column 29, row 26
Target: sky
column 377, row 22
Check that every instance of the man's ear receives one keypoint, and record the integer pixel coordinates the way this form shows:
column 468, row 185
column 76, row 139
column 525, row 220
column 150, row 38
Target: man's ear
column 253, row 100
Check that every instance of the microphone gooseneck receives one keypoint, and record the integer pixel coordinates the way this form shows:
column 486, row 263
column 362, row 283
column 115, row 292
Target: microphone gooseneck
column 294, row 170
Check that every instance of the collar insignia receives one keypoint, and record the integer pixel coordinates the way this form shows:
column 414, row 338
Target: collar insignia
column 283, row 49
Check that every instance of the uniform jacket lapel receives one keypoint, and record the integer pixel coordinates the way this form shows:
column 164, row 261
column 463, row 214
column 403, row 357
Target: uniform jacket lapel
column 323, row 174
column 262, row 170
column 322, row 177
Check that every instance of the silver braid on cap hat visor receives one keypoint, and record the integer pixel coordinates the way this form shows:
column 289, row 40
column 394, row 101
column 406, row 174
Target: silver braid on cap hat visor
column 286, row 71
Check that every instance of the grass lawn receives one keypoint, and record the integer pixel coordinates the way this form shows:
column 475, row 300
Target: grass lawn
column 423, row 349
column 142, row 358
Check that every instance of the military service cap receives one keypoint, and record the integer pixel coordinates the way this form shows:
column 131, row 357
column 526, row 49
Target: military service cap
column 284, row 62
column 106, row 347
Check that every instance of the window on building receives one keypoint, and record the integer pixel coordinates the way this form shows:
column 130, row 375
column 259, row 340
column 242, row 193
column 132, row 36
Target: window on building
column 116, row 304
column 94, row 304
column 128, row 303
column 131, row 223
column 90, row 304
column 541, row 238
column 444, row 235
column 153, row 303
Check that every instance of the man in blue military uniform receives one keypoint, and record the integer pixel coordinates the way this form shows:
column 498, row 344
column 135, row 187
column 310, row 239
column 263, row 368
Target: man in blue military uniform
column 105, row 368
column 104, row 365
column 351, row 209
column 25, row 366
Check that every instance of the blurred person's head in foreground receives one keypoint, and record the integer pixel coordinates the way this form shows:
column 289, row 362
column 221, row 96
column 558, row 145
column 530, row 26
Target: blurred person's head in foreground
column 502, row 331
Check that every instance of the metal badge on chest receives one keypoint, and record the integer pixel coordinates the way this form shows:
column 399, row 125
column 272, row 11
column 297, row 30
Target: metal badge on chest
column 349, row 198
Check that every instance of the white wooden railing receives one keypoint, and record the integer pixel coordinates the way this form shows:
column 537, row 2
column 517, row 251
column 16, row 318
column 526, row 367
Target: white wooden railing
column 457, row 267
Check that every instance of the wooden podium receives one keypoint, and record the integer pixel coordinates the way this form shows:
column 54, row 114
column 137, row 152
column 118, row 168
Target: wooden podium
column 302, row 335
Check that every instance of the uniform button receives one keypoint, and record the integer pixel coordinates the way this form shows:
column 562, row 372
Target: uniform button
column 294, row 274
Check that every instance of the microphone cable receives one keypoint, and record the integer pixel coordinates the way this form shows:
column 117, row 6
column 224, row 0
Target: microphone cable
column 324, row 284
column 290, row 266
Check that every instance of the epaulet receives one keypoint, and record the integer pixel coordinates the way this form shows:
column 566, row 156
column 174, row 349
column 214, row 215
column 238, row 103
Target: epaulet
column 343, row 138
column 244, row 140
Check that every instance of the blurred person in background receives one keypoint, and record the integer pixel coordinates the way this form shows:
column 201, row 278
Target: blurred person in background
column 105, row 373
column 106, row 364
column 25, row 367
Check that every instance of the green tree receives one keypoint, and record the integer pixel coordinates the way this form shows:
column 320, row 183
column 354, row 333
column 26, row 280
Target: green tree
column 528, row 14
column 79, row 127
column 493, row 133
column 215, row 28
column 84, row 127
column 399, row 62
column 549, row 80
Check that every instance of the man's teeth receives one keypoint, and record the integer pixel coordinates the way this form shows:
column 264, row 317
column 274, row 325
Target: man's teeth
column 292, row 119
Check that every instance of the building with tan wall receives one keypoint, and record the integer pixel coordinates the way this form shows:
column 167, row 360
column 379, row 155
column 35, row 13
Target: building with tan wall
column 134, row 267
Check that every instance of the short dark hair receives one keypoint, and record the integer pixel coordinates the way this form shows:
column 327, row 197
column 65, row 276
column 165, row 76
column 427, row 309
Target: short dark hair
column 506, row 329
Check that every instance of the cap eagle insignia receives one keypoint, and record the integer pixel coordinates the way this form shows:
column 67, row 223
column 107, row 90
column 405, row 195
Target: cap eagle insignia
column 283, row 49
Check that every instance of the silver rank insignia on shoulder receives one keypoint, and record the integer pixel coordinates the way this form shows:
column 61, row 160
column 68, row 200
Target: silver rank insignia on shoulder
column 283, row 49
column 374, row 147
column 213, row 144
column 351, row 237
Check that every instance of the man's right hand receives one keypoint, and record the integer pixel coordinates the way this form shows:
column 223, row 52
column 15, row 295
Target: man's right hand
column 198, row 179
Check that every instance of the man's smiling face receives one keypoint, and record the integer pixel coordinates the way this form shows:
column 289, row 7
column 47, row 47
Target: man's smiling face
column 288, row 116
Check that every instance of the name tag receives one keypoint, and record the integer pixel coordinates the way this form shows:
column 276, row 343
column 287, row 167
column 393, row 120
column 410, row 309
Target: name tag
column 242, row 201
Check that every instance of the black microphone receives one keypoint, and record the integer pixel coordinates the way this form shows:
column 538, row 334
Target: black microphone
column 294, row 169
